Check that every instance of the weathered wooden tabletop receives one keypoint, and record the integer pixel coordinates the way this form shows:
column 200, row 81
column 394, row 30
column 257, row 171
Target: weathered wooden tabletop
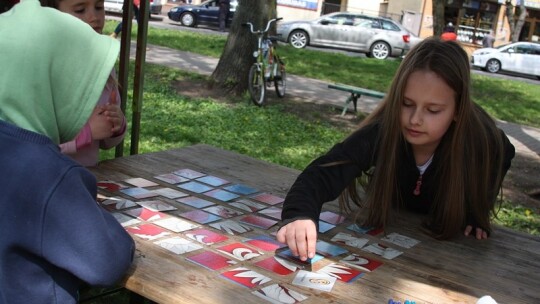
column 506, row 266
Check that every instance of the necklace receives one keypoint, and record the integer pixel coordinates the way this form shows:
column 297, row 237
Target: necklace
column 422, row 169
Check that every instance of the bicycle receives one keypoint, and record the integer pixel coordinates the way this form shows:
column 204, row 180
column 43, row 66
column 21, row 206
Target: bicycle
column 268, row 67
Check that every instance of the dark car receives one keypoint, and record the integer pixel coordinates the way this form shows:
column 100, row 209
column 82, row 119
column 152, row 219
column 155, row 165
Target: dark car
column 206, row 13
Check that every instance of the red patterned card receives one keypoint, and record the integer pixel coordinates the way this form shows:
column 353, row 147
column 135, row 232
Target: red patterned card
column 205, row 236
column 277, row 265
column 211, row 260
column 246, row 277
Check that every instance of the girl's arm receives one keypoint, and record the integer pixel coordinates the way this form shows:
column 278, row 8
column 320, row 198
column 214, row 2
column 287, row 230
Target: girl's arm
column 118, row 120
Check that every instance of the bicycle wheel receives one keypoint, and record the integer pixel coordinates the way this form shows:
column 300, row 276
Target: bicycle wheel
column 256, row 86
column 280, row 79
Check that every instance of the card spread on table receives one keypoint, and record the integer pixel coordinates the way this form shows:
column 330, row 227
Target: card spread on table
column 246, row 277
column 147, row 231
column 247, row 205
column 171, row 178
column 175, row 224
column 309, row 264
column 111, row 186
column 211, row 260
column 331, row 217
column 383, row 251
column 199, row 216
column 241, row 189
column 268, row 198
column 117, row 203
column 195, row 187
column 341, row 272
column 212, row 180
column 205, row 236
column 273, row 212
column 325, row 227
column 145, row 214
column 277, row 265
column 361, row 262
column 223, row 212
column 221, row 195
column 138, row 193
column 140, row 182
column 277, row 293
column 258, row 221
column 178, row 245
column 188, row 173
column 329, row 250
column 231, row 227
column 314, row 280
column 365, row 230
column 169, row 193
column 157, row 205
column 125, row 220
column 195, row 202
column 265, row 243
column 400, row 240
column 239, row 251
column 348, row 239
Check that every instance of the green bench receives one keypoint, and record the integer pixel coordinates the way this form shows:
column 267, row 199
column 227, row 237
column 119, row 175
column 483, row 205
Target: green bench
column 356, row 93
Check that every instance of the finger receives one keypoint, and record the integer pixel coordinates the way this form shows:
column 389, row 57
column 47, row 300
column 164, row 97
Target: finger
column 468, row 230
column 291, row 241
column 301, row 245
column 311, row 242
column 280, row 236
column 480, row 234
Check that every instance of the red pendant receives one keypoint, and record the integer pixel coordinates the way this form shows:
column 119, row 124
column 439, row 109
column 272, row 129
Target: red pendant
column 418, row 184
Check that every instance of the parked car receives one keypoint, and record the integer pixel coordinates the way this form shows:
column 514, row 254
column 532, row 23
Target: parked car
column 518, row 57
column 378, row 37
column 116, row 6
column 206, row 13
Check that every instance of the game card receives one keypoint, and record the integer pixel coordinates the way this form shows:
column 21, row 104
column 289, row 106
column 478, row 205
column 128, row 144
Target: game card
column 241, row 189
column 175, row 224
column 341, row 272
column 169, row 193
column 246, row 277
column 331, row 217
column 247, row 205
column 199, row 216
column 195, row 202
column 156, row 205
column 223, row 212
column 277, row 294
column 221, row 195
column 268, row 198
column 195, row 187
column 400, row 240
column 171, row 178
column 325, row 227
column 277, row 265
column 138, row 193
column 231, row 227
column 111, row 186
column 205, row 236
column 308, row 264
column 361, row 262
column 365, row 230
column 265, row 243
column 212, row 180
column 314, row 280
column 140, row 182
column 329, row 250
column 178, row 245
column 117, row 203
column 147, row 231
column 350, row 240
column 211, row 260
column 383, row 251
column 125, row 220
column 258, row 221
column 273, row 212
column 239, row 251
column 188, row 173
column 145, row 214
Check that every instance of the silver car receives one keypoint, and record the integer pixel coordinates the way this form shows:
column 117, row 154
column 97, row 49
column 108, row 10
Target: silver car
column 376, row 36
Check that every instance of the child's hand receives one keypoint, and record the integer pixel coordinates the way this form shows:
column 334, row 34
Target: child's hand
column 99, row 124
column 301, row 237
column 114, row 115
column 479, row 233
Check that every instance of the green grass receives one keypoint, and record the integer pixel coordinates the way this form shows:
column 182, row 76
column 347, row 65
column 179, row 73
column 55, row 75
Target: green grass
column 519, row 218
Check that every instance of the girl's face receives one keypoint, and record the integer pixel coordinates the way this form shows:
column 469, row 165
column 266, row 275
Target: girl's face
column 89, row 11
column 427, row 111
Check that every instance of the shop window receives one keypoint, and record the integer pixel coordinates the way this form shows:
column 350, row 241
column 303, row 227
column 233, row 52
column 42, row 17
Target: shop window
column 476, row 19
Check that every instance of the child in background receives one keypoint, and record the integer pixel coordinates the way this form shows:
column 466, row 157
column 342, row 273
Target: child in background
column 55, row 237
column 107, row 125
column 428, row 147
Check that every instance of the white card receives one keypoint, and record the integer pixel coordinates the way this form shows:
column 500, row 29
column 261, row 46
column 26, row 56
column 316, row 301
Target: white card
column 348, row 239
column 178, row 245
column 278, row 294
column 156, row 205
column 175, row 224
column 314, row 280
column 400, row 240
column 383, row 251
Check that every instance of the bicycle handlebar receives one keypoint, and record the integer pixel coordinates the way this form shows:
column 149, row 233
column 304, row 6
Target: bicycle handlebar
column 260, row 31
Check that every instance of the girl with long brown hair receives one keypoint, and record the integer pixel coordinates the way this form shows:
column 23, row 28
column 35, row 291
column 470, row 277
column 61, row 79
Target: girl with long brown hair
column 427, row 148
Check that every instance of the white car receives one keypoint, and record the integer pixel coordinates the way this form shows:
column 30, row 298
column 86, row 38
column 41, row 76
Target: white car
column 518, row 57
column 116, row 6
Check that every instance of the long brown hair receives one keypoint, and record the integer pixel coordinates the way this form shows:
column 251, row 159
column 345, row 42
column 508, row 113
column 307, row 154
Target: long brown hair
column 470, row 153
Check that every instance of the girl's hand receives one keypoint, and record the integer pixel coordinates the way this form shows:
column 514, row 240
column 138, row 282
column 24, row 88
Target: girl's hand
column 479, row 233
column 114, row 115
column 301, row 237
column 100, row 126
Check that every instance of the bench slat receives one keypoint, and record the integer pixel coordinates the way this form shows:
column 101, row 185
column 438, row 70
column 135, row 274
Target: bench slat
column 356, row 92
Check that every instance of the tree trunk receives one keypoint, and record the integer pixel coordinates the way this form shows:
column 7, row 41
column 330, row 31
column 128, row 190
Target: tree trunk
column 232, row 70
column 520, row 22
column 510, row 16
column 438, row 17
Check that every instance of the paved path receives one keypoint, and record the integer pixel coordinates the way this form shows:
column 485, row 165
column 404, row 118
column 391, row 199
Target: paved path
column 525, row 139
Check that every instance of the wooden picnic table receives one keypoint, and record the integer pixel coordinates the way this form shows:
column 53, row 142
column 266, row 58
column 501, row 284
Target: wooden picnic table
column 506, row 266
